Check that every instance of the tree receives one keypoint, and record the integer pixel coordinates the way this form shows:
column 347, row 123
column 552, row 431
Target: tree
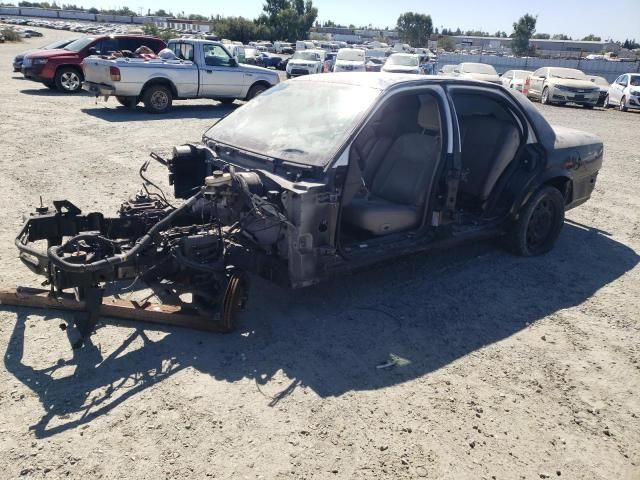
column 523, row 30
column 162, row 13
column 287, row 19
column 591, row 38
column 560, row 36
column 415, row 28
column 630, row 44
column 542, row 36
column 447, row 43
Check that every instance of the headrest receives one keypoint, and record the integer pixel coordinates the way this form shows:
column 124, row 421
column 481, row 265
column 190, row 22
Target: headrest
column 429, row 113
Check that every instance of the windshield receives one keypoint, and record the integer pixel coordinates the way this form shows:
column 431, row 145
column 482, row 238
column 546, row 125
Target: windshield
column 478, row 68
column 568, row 73
column 635, row 81
column 79, row 44
column 275, row 125
column 351, row 55
column 58, row 44
column 403, row 60
column 521, row 75
column 310, row 56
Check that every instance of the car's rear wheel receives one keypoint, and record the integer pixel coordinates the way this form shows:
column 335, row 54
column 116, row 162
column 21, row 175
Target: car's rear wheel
column 157, row 99
column 129, row 102
column 256, row 90
column 623, row 105
column 68, row 80
column 544, row 99
column 539, row 223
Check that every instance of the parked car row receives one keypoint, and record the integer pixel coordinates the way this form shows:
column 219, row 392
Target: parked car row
column 557, row 85
column 80, row 27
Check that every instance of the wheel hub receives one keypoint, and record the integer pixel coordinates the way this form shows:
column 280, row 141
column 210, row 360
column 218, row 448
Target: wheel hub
column 540, row 223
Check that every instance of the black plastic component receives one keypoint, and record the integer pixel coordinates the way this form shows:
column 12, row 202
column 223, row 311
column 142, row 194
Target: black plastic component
column 188, row 168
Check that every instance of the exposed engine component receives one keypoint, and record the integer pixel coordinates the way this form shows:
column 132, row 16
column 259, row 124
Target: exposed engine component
column 191, row 248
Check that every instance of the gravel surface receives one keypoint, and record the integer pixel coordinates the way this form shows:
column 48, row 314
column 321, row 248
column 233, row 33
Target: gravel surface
column 512, row 368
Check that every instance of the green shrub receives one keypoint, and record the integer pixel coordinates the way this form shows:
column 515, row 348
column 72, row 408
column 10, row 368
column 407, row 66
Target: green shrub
column 10, row 35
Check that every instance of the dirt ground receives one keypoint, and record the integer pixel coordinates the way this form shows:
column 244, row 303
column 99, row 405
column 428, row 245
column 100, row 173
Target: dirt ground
column 512, row 368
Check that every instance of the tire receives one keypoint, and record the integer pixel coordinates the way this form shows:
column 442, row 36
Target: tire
column 539, row 223
column 256, row 90
column 605, row 105
column 157, row 99
column 544, row 98
column 128, row 102
column 51, row 86
column 622, row 107
column 588, row 107
column 226, row 101
column 69, row 80
column 288, row 76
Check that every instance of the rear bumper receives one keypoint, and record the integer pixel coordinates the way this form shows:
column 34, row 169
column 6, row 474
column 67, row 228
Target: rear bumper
column 98, row 89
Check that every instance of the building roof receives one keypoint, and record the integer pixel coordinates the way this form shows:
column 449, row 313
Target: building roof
column 537, row 40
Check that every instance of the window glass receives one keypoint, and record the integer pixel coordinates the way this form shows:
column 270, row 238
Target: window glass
column 266, row 123
column 623, row 80
column 183, row 51
column 216, row 56
column 107, row 46
column 507, row 75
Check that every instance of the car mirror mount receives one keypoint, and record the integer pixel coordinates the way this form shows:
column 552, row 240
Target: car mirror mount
column 233, row 62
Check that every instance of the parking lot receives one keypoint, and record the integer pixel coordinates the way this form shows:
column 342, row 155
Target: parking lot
column 518, row 368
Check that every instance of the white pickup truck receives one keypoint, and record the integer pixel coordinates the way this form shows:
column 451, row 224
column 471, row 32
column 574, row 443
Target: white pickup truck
column 205, row 69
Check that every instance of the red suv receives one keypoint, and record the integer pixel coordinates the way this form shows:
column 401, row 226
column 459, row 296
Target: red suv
column 61, row 68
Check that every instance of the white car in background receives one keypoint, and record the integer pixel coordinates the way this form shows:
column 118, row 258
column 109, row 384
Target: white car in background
column 477, row 71
column 305, row 62
column 624, row 92
column 402, row 63
column 447, row 70
column 555, row 85
column 350, row 60
column 515, row 79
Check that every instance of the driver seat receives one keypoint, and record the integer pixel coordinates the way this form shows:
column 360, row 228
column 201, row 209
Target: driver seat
column 402, row 182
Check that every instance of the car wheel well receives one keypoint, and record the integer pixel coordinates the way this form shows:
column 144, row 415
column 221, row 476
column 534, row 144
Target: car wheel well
column 160, row 81
column 260, row 82
column 563, row 184
column 73, row 67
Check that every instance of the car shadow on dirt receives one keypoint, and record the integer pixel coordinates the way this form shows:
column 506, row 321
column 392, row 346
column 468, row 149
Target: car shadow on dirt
column 122, row 114
column 48, row 92
column 419, row 314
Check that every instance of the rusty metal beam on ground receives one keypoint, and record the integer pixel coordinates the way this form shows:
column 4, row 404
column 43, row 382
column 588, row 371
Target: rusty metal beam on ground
column 111, row 307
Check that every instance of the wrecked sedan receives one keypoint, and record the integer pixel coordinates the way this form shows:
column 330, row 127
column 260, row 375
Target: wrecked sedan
column 326, row 174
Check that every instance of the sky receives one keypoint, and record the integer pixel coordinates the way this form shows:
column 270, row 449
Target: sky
column 576, row 18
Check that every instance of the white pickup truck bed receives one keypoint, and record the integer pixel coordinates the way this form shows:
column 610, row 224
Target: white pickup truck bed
column 158, row 82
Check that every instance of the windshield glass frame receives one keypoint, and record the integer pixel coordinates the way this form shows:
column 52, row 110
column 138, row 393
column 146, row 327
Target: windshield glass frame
column 567, row 73
column 82, row 41
column 393, row 60
column 304, row 55
column 478, row 68
column 353, row 55
column 303, row 137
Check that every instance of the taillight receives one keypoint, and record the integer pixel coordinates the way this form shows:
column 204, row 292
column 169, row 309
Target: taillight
column 525, row 87
column 115, row 74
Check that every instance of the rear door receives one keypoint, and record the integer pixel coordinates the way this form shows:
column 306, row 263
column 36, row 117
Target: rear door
column 218, row 78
